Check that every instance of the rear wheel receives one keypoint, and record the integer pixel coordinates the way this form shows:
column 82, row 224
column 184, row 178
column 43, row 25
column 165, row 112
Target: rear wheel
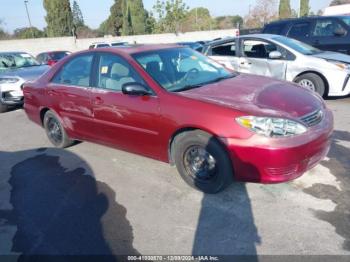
column 202, row 161
column 55, row 131
column 3, row 108
column 312, row 82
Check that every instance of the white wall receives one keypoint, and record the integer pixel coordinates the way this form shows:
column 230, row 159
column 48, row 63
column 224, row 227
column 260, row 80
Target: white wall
column 35, row 46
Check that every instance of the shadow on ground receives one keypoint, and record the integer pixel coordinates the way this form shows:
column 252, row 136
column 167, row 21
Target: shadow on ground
column 338, row 165
column 226, row 225
column 64, row 212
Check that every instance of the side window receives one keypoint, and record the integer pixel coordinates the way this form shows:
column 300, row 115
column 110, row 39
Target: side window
column 300, row 30
column 228, row 49
column 327, row 27
column 275, row 29
column 76, row 72
column 114, row 72
column 258, row 49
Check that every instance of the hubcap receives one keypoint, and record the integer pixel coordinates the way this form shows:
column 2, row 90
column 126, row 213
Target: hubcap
column 307, row 84
column 199, row 163
column 54, row 131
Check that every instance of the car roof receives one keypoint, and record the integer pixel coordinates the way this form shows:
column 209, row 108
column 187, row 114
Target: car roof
column 12, row 53
column 226, row 40
column 133, row 49
column 287, row 20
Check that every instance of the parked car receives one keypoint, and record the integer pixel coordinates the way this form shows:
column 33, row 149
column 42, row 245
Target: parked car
column 99, row 45
column 328, row 33
column 194, row 45
column 15, row 69
column 284, row 58
column 176, row 105
column 51, row 58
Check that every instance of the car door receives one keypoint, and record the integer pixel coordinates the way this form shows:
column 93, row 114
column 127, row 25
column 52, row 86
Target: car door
column 255, row 58
column 123, row 121
column 69, row 96
column 327, row 35
column 225, row 54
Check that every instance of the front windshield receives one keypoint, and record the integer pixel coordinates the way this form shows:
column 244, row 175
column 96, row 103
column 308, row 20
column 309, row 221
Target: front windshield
column 180, row 69
column 16, row 60
column 346, row 19
column 298, row 46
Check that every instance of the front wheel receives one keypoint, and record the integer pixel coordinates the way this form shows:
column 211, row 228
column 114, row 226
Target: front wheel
column 202, row 161
column 312, row 82
column 55, row 131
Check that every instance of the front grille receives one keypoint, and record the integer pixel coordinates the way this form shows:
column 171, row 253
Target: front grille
column 312, row 119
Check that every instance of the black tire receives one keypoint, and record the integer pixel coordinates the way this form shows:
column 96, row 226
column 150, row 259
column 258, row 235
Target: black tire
column 316, row 80
column 215, row 180
column 3, row 108
column 53, row 125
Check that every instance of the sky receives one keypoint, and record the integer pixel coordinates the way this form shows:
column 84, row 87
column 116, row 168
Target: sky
column 13, row 13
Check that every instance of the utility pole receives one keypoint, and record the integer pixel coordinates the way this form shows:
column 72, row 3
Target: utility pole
column 197, row 18
column 30, row 22
column 299, row 9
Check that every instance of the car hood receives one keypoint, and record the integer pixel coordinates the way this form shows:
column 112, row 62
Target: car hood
column 260, row 96
column 334, row 56
column 26, row 73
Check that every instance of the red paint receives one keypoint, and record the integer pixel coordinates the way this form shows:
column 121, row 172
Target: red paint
column 146, row 125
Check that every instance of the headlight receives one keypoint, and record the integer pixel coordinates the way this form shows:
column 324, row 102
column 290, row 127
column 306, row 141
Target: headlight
column 272, row 127
column 9, row 80
column 340, row 65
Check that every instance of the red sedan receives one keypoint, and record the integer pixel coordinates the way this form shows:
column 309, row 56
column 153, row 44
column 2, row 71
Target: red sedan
column 175, row 105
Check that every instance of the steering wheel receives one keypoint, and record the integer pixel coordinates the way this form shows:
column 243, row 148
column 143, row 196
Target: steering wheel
column 189, row 73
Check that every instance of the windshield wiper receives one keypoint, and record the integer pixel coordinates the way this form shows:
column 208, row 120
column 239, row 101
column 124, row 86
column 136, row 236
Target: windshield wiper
column 216, row 80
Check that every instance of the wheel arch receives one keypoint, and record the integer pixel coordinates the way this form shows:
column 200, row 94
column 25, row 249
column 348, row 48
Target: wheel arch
column 324, row 79
column 43, row 111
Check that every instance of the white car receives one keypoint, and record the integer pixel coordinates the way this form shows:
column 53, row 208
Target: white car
column 15, row 69
column 327, row 73
column 99, row 45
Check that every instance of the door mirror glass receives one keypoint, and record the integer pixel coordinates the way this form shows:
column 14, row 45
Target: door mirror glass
column 135, row 89
column 275, row 55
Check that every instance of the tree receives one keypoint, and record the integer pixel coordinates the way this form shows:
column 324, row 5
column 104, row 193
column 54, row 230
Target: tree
column 59, row 18
column 228, row 22
column 28, row 32
column 150, row 23
column 78, row 19
column 127, row 21
column 284, row 9
column 197, row 19
column 3, row 34
column 339, row 2
column 304, row 8
column 114, row 23
column 170, row 14
column 264, row 12
column 138, row 16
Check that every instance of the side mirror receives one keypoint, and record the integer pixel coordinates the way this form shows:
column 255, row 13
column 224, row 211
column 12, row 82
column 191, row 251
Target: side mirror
column 135, row 89
column 275, row 55
column 339, row 32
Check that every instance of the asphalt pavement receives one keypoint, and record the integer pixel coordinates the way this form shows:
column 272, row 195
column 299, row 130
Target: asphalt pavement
column 90, row 199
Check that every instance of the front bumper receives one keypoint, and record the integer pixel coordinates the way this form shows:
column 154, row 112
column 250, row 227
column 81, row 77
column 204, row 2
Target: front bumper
column 266, row 160
column 12, row 94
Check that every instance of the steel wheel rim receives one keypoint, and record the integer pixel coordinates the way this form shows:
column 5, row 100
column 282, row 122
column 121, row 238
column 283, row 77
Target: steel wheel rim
column 54, row 131
column 199, row 163
column 307, row 84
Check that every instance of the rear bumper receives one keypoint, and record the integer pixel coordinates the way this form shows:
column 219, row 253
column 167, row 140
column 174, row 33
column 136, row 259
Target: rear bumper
column 265, row 160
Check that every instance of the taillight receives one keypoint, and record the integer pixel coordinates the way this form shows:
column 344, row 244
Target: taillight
column 51, row 62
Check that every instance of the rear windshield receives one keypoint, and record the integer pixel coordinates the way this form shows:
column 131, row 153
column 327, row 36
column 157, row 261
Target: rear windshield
column 58, row 55
column 16, row 60
column 275, row 29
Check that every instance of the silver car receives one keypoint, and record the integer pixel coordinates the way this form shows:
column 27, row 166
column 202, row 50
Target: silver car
column 15, row 69
column 327, row 73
